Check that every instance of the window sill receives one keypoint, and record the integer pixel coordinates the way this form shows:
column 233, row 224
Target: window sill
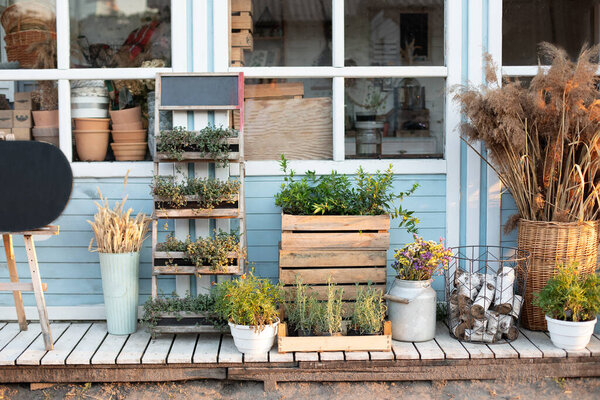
column 112, row 169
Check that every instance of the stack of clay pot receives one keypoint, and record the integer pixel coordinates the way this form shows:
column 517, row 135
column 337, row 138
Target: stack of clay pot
column 128, row 134
column 45, row 127
column 91, row 138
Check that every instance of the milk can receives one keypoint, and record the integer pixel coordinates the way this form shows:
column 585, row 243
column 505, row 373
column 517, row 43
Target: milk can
column 412, row 310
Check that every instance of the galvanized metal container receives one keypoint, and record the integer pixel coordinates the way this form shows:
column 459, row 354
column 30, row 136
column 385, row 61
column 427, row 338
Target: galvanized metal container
column 368, row 138
column 411, row 308
column 120, row 285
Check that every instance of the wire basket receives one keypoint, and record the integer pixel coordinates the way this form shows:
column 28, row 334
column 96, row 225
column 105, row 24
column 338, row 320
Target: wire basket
column 485, row 287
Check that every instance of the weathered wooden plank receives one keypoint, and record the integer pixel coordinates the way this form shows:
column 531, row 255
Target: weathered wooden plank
column 542, row 342
column 20, row 286
column 332, row 356
column 189, row 213
column 251, row 358
column 300, row 127
column 334, row 343
column 357, row 355
column 183, row 348
column 593, row 346
column 241, row 22
column 307, row 356
column 478, row 350
column 324, row 223
column 429, row 350
column 276, row 357
column 404, row 350
column 332, row 258
column 85, row 349
column 228, row 352
column 8, row 332
column 180, row 329
column 207, row 348
column 193, row 156
column 36, row 351
column 2, row 325
column 450, row 346
column 503, row 350
column 67, row 342
column 320, row 292
column 158, row 349
column 335, row 240
column 242, row 39
column 277, row 90
column 337, row 275
column 193, row 270
column 525, row 348
column 18, row 344
column 381, row 355
column 109, row 349
column 134, row 348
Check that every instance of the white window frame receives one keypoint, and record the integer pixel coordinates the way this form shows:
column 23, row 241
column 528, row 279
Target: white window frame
column 63, row 74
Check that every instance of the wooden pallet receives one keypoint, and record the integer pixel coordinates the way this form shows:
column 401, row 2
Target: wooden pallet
column 228, row 208
column 176, row 263
column 286, row 344
column 196, row 156
column 346, row 249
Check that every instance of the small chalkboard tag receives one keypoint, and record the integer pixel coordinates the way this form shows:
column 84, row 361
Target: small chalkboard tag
column 35, row 184
column 199, row 91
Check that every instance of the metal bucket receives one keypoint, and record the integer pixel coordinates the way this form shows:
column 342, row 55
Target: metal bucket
column 368, row 138
column 412, row 310
column 120, row 285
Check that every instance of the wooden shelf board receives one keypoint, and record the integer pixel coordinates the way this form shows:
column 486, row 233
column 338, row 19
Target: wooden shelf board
column 197, row 213
column 234, row 156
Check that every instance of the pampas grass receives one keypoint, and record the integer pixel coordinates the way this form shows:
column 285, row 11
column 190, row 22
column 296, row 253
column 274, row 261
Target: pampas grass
column 116, row 231
column 543, row 138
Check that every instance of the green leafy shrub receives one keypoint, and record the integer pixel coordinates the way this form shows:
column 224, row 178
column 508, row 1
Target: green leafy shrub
column 570, row 296
column 209, row 192
column 336, row 194
column 248, row 300
column 210, row 141
column 369, row 311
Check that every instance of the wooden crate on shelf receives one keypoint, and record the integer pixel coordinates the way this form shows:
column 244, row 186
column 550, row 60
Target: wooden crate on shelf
column 226, row 209
column 176, row 263
column 193, row 156
column 287, row 344
column 241, row 6
column 346, row 248
column 185, row 322
column 236, row 56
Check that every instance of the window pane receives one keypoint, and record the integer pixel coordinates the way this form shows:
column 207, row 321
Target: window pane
column 394, row 32
column 285, row 33
column 395, row 118
column 526, row 23
column 29, row 35
column 120, row 33
column 287, row 116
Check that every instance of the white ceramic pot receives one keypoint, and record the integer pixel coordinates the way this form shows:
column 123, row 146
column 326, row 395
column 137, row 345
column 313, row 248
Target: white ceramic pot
column 411, row 308
column 570, row 335
column 249, row 341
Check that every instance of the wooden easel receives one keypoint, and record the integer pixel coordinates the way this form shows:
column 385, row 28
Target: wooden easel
column 35, row 285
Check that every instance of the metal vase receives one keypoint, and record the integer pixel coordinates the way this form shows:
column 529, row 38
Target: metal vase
column 411, row 308
column 368, row 138
column 120, row 285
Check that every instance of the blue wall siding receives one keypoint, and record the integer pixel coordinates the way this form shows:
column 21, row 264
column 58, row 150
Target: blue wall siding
column 73, row 274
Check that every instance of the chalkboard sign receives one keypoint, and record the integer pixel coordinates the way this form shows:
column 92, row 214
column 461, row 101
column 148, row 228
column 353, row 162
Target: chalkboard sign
column 35, row 185
column 198, row 92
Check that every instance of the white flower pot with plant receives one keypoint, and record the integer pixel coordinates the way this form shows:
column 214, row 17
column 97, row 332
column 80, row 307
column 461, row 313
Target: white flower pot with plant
column 412, row 300
column 571, row 301
column 249, row 304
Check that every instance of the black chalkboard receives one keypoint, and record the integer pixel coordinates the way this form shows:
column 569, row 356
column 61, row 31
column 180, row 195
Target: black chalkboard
column 198, row 91
column 35, row 185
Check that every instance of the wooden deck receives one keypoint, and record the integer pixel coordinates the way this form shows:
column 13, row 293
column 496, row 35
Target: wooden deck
column 84, row 352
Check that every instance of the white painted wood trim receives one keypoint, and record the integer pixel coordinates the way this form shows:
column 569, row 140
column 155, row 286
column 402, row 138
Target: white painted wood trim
column 400, row 167
column 453, row 34
column 178, row 36
column 521, row 70
column 337, row 103
column 494, row 187
column 63, row 37
column 65, row 140
column 116, row 169
column 475, row 77
column 347, row 72
column 200, row 35
column 221, row 35
column 338, row 35
column 82, row 73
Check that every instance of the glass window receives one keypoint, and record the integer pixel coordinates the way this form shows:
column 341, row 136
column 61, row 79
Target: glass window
column 29, row 34
column 394, row 118
column 120, row 33
column 566, row 23
column 394, row 32
column 284, row 33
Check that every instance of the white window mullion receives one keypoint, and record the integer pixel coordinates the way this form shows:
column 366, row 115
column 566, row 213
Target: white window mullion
column 64, row 118
column 346, row 72
column 63, row 35
column 337, row 40
column 221, row 35
column 337, row 103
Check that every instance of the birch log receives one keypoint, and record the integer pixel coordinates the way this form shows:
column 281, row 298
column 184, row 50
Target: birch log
column 503, row 297
column 513, row 333
column 477, row 336
column 479, row 325
column 516, row 306
column 458, row 327
column 467, row 284
column 492, row 318
column 484, row 299
column 504, row 323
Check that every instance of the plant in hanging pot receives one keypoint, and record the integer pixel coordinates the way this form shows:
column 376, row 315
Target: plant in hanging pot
column 119, row 238
column 250, row 304
column 571, row 301
column 412, row 300
column 542, row 141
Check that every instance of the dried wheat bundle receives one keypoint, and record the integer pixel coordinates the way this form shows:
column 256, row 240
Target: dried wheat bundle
column 115, row 229
column 543, row 138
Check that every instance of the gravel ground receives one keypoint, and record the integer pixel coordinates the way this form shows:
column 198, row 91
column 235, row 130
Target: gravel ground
column 579, row 389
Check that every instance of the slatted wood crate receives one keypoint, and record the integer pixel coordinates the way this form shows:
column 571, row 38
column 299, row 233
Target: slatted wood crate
column 185, row 322
column 347, row 249
column 241, row 31
column 226, row 209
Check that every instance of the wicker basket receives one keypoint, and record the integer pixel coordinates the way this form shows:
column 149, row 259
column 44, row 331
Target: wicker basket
column 550, row 244
column 18, row 43
column 32, row 15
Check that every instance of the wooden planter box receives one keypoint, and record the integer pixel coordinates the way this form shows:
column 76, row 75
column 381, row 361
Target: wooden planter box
column 186, row 322
column 193, row 156
column 287, row 344
column 349, row 249
column 226, row 209
column 176, row 263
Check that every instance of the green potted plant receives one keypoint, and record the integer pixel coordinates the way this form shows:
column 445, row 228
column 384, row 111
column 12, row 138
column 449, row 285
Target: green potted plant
column 329, row 320
column 298, row 309
column 571, row 301
column 369, row 312
column 412, row 300
column 119, row 237
column 250, row 305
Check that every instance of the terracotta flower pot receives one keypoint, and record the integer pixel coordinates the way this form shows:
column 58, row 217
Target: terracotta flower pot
column 91, row 145
column 126, row 116
column 129, row 151
column 45, row 119
column 128, row 127
column 137, row 136
column 91, row 124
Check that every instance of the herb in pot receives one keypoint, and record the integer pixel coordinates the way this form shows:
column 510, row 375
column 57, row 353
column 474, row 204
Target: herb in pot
column 331, row 312
column 369, row 311
column 208, row 192
column 297, row 309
